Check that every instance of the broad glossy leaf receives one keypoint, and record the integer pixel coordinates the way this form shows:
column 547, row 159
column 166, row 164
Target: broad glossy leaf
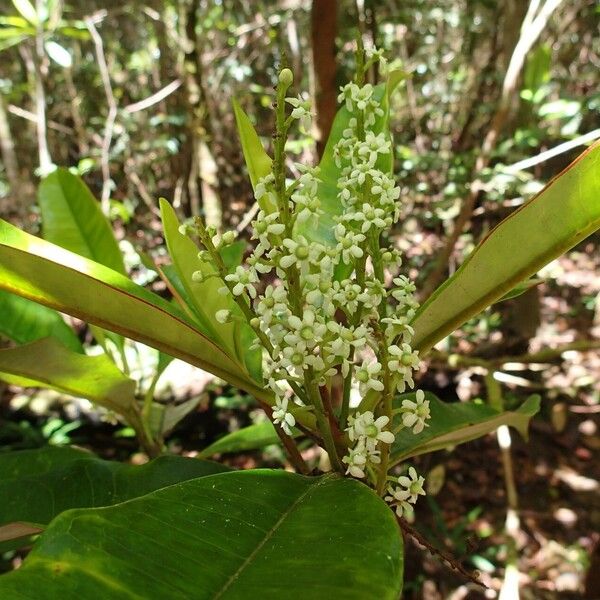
column 72, row 218
column 258, row 162
column 239, row 535
column 47, row 363
column 456, row 423
column 565, row 212
column 45, row 273
column 521, row 288
column 329, row 172
column 25, row 321
column 251, row 437
column 37, row 485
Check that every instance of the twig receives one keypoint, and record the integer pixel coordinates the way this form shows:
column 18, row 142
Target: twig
column 446, row 558
column 288, row 443
column 26, row 114
column 155, row 98
column 112, row 109
column 552, row 152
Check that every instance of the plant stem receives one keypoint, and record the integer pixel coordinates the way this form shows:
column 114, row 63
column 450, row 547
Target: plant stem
column 322, row 421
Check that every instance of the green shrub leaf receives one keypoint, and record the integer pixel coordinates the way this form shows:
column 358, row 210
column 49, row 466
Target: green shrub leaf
column 565, row 212
column 26, row 321
column 251, row 534
column 72, row 218
column 38, row 485
column 456, row 423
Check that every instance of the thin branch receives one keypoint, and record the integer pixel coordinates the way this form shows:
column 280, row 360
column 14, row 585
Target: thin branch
column 112, row 108
column 27, row 114
column 155, row 98
column 446, row 558
column 552, row 152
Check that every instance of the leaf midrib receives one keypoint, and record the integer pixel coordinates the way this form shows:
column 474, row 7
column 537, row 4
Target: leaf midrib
column 269, row 535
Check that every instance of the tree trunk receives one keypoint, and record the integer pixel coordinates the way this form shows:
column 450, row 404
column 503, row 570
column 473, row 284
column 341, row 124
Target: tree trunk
column 7, row 147
column 323, row 33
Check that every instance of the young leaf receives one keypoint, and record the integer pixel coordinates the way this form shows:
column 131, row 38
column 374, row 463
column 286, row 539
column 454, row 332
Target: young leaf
column 50, row 275
column 565, row 212
column 47, row 363
column 258, row 162
column 72, row 218
column 38, row 485
column 456, row 423
column 250, row 534
column 25, row 321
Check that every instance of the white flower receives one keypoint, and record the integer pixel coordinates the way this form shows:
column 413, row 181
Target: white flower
column 272, row 303
column 356, row 459
column 369, row 217
column 368, row 429
column 415, row 413
column 301, row 111
column 243, row 280
column 403, row 363
column 348, row 243
column 410, row 488
column 282, row 417
column 366, row 375
column 265, row 226
column 307, row 330
column 298, row 250
column 223, row 316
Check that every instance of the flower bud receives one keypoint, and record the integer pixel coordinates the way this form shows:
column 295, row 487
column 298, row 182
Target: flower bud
column 228, row 237
column 286, row 78
column 197, row 276
column 223, row 316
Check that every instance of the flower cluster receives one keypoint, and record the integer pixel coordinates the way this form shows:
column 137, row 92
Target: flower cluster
column 406, row 492
column 327, row 310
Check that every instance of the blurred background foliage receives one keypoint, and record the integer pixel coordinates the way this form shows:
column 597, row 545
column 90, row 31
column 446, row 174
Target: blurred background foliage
column 136, row 97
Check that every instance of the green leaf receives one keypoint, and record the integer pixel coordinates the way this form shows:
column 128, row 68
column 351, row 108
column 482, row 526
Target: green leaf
column 72, row 218
column 25, row 321
column 26, row 10
column 521, row 288
column 252, row 437
column 456, row 423
column 50, row 275
column 330, row 173
column 47, row 363
column 38, row 485
column 565, row 212
column 252, row 534
column 258, row 161
column 204, row 297
column 233, row 254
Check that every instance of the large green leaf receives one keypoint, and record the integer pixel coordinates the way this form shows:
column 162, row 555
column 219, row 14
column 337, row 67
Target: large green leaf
column 456, row 423
column 47, row 363
column 72, row 218
column 37, row 485
column 50, row 275
column 258, row 162
column 251, row 534
column 25, row 321
column 329, row 172
column 565, row 212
